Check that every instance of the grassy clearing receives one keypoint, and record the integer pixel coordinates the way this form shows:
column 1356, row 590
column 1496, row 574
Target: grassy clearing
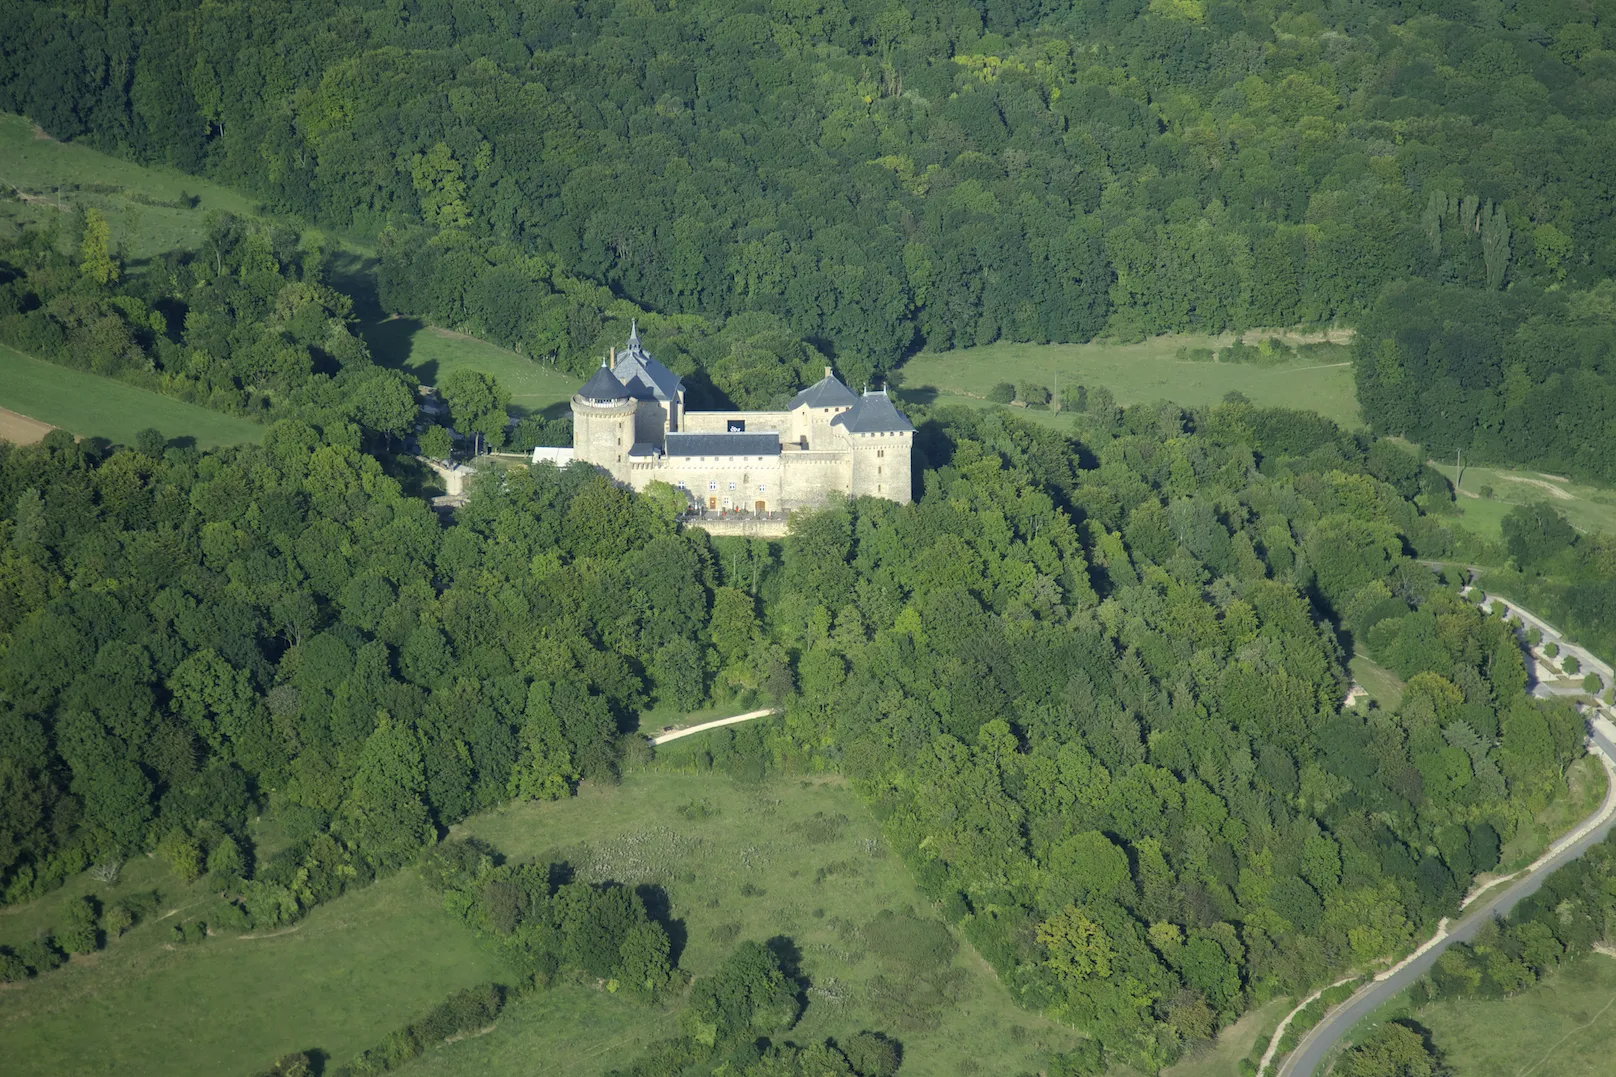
column 1222, row 1057
column 1384, row 686
column 1145, row 372
column 93, row 406
column 429, row 353
column 38, row 165
column 1563, row 1027
column 346, row 976
column 800, row 858
column 1589, row 508
column 57, row 176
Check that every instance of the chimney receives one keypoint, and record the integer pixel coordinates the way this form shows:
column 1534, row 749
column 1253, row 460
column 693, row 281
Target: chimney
column 829, row 373
column 614, row 357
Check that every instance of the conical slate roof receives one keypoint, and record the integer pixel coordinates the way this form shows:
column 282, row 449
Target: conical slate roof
column 603, row 386
column 643, row 376
column 873, row 414
column 827, row 392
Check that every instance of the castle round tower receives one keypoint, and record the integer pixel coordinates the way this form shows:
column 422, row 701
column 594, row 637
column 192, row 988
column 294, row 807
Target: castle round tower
column 603, row 423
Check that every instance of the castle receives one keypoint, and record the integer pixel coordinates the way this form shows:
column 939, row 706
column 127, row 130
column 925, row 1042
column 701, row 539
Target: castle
column 630, row 420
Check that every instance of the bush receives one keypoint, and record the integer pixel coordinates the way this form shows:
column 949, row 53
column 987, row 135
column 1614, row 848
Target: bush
column 1033, row 395
column 119, row 918
column 872, row 1054
column 12, row 967
column 81, row 935
column 1593, row 684
column 298, row 1064
column 1551, row 649
column 1002, row 393
column 42, row 954
column 1571, row 665
column 1486, row 492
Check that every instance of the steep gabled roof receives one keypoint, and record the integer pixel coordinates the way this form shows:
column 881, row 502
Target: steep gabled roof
column 643, row 376
column 827, row 392
column 603, row 385
column 873, row 414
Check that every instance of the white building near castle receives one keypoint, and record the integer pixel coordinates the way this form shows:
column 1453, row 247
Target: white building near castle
column 630, row 420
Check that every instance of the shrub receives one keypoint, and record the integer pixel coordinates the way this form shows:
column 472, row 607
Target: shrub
column 12, row 967
column 1033, row 394
column 1551, row 649
column 119, row 918
column 1571, row 665
column 80, row 935
column 1593, row 684
column 41, row 954
column 1486, row 492
column 1002, row 393
column 872, row 1054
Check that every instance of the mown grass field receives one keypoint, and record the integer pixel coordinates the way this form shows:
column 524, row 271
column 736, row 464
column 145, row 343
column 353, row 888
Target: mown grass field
column 1147, row 371
column 1589, row 508
column 341, row 980
column 1563, row 1027
column 93, row 406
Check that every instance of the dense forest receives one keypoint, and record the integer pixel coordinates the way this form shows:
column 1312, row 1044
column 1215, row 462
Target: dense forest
column 1091, row 688
column 875, row 177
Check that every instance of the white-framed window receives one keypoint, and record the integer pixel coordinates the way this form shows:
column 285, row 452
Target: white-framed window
column 712, row 484
column 762, row 488
column 732, row 486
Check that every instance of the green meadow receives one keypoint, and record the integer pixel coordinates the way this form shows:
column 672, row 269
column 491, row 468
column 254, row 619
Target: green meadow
column 93, row 406
column 799, row 858
column 1143, row 372
column 151, row 209
column 339, row 981
column 1486, row 494
column 1561, row 1027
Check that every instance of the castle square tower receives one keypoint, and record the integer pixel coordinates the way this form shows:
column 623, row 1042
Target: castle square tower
column 881, row 443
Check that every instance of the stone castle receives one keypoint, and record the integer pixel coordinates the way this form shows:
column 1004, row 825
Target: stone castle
column 630, row 420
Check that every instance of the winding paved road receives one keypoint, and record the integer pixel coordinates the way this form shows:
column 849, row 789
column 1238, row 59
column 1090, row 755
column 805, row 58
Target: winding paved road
column 1311, row 1050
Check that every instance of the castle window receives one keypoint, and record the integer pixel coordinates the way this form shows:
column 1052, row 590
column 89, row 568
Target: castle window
column 878, row 469
column 712, row 484
column 762, row 489
column 880, row 453
column 732, row 486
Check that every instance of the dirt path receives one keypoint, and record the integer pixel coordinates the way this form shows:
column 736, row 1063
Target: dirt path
column 21, row 429
column 675, row 734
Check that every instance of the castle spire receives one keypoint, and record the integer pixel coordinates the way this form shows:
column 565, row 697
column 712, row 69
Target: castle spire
column 633, row 332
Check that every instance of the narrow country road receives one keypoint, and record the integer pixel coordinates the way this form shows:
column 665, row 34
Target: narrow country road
column 675, row 734
column 1310, row 1051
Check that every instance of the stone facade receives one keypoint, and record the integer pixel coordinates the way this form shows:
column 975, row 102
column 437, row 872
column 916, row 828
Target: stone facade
column 630, row 420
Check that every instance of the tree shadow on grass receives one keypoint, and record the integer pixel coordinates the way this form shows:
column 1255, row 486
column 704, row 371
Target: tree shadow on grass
column 392, row 342
column 659, row 907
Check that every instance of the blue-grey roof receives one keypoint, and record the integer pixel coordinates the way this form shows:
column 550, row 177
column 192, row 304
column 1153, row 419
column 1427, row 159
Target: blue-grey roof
column 766, row 443
column 603, row 385
column 827, row 392
column 643, row 376
column 873, row 414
